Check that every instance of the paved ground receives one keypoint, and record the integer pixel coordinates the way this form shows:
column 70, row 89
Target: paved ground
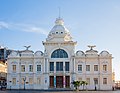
column 37, row 91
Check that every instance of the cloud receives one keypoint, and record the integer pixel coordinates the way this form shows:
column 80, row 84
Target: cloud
column 22, row 27
column 3, row 25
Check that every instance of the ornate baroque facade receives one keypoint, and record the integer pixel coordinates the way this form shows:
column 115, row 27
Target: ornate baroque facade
column 59, row 64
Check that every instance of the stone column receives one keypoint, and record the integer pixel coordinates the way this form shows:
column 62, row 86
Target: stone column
column 47, row 65
column 73, row 64
column 46, row 75
column 64, row 81
column 44, row 64
column 54, row 67
column 64, row 75
column 64, row 67
column 54, row 81
column 54, row 74
column 20, row 74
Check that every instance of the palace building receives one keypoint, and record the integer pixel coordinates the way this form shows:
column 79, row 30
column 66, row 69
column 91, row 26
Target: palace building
column 59, row 64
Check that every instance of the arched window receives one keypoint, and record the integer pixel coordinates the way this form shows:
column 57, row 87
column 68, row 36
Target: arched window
column 59, row 53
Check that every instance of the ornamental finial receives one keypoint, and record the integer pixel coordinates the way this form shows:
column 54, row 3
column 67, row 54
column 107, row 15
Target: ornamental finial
column 91, row 46
column 59, row 12
column 27, row 47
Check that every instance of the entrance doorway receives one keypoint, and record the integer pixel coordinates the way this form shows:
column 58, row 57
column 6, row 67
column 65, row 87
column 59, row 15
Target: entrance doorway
column 67, row 79
column 59, row 81
column 51, row 81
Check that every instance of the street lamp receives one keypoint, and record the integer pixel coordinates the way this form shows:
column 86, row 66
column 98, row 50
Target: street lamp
column 95, row 85
column 10, row 84
column 24, row 79
column 18, row 84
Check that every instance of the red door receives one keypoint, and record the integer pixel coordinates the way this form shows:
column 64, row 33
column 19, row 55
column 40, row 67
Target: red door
column 67, row 79
column 51, row 81
column 59, row 81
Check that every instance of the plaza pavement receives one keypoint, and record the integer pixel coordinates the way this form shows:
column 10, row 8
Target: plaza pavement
column 39, row 91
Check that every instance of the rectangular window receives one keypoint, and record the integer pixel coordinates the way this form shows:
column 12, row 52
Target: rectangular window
column 59, row 66
column 79, row 67
column 38, row 67
column 38, row 81
column 104, row 67
column 14, row 68
column 22, row 80
column 66, row 66
column 30, row 80
column 87, row 67
column 104, row 80
column 51, row 66
column 22, row 68
column 88, row 80
column 14, row 81
column 95, row 67
column 31, row 68
column 95, row 81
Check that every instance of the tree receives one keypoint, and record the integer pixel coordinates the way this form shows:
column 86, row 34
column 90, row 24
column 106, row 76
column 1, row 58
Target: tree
column 76, row 84
column 83, row 83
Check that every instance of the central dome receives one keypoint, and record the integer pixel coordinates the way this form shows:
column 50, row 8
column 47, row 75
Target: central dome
column 59, row 31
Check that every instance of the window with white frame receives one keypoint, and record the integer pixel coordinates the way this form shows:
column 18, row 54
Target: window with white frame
column 22, row 80
column 30, row 80
column 104, row 80
column 59, row 53
column 104, row 67
column 95, row 67
column 51, row 66
column 14, row 81
column 14, row 68
column 88, row 80
column 31, row 68
column 95, row 81
column 87, row 67
column 59, row 66
column 38, row 80
column 38, row 67
column 79, row 67
column 66, row 66
column 22, row 68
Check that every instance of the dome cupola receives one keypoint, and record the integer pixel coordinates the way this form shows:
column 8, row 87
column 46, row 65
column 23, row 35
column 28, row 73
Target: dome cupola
column 59, row 21
column 59, row 32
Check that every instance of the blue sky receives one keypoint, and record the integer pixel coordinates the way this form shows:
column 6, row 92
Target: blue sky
column 90, row 22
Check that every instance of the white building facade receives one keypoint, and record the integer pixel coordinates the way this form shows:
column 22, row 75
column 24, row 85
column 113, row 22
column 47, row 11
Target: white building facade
column 59, row 64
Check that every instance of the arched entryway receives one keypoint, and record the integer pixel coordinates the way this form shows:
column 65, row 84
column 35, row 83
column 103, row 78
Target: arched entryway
column 58, row 69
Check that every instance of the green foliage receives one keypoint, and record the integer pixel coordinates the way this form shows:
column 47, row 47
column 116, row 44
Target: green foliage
column 83, row 83
column 78, row 83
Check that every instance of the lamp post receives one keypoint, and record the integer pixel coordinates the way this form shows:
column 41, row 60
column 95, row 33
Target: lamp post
column 24, row 82
column 95, row 87
column 10, row 84
column 18, row 84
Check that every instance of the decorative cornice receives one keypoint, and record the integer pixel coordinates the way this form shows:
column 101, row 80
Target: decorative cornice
column 57, row 43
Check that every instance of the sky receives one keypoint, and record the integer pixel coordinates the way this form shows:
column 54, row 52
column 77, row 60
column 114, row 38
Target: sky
column 90, row 22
